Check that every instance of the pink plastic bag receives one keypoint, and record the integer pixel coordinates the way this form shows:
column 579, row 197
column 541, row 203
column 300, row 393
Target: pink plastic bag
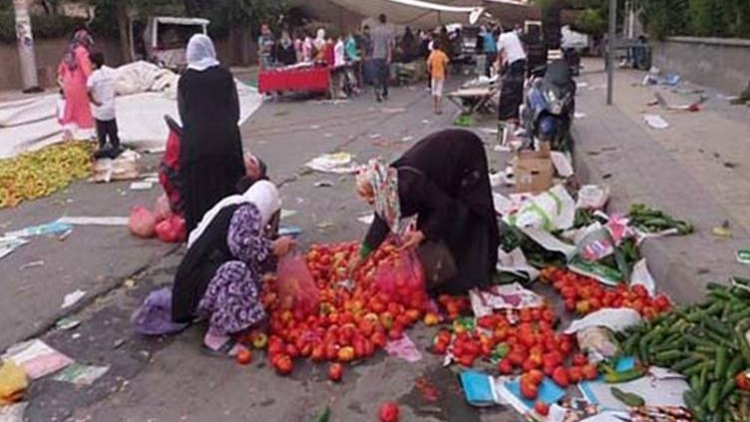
column 171, row 230
column 161, row 208
column 296, row 287
column 403, row 280
column 142, row 222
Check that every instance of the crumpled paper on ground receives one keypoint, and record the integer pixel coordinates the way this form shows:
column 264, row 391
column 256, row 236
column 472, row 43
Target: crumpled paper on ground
column 404, row 349
column 338, row 163
column 616, row 319
column 549, row 211
column 507, row 296
column 37, row 358
column 515, row 263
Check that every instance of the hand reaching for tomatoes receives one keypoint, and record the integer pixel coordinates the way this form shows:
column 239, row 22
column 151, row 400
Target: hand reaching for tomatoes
column 283, row 245
column 412, row 239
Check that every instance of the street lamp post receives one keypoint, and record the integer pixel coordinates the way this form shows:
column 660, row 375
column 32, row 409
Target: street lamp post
column 25, row 46
column 611, row 50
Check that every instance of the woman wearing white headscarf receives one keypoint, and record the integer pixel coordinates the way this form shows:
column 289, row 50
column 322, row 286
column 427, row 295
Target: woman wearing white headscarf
column 220, row 276
column 211, row 160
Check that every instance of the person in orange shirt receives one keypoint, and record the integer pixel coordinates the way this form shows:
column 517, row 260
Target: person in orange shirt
column 437, row 62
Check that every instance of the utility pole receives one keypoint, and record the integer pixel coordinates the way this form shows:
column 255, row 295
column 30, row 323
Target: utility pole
column 26, row 46
column 611, row 50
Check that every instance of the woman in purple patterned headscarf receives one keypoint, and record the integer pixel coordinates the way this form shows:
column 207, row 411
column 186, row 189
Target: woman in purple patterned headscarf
column 72, row 73
column 220, row 277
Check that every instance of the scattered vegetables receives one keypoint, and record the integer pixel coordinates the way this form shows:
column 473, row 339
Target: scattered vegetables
column 629, row 399
column 37, row 174
column 389, row 412
column 654, row 221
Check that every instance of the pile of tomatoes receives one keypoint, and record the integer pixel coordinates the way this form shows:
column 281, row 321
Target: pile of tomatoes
column 352, row 320
column 522, row 341
column 584, row 295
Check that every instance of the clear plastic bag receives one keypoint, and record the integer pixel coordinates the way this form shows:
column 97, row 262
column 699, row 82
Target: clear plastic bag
column 142, row 222
column 402, row 280
column 296, row 287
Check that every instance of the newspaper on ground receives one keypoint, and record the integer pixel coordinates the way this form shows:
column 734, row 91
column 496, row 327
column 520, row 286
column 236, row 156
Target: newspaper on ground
column 81, row 375
column 37, row 358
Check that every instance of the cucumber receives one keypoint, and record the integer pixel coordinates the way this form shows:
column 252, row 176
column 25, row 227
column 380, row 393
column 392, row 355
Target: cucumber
column 721, row 363
column 735, row 365
column 727, row 388
column 686, row 363
column 629, row 399
column 624, row 376
column 718, row 327
column 714, row 392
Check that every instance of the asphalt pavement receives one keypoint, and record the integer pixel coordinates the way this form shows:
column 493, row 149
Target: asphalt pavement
column 170, row 378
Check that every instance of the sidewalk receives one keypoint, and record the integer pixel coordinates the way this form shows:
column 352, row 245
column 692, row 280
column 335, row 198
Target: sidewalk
column 694, row 169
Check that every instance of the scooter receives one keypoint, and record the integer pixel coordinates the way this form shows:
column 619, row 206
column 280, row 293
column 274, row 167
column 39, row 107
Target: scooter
column 549, row 105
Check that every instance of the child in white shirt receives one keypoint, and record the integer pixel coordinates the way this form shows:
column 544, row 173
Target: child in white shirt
column 101, row 85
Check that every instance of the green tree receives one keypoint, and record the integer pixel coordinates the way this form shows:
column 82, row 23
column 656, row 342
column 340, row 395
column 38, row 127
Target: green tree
column 591, row 21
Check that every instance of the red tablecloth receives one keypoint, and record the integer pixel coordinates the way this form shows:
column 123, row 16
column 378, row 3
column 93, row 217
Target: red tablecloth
column 311, row 79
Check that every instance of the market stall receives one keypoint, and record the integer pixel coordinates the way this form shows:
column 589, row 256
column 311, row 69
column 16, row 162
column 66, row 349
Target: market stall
column 295, row 79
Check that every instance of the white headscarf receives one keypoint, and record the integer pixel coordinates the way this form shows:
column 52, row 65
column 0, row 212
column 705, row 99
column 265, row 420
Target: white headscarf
column 320, row 40
column 201, row 53
column 263, row 194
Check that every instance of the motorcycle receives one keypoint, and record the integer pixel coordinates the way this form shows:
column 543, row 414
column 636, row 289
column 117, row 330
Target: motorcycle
column 549, row 105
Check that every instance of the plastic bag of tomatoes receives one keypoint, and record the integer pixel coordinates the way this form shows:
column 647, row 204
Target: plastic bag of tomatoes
column 296, row 287
column 399, row 275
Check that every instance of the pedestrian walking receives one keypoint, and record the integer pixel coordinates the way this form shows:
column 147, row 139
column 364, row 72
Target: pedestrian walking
column 383, row 42
column 101, row 87
column 437, row 63
column 489, row 47
column 513, row 58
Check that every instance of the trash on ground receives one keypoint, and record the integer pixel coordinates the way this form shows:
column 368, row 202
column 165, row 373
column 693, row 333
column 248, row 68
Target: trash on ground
column 49, row 229
column 13, row 383
column 479, row 389
column 549, row 242
column 655, row 391
column 72, row 298
column 614, row 319
column 81, row 375
column 428, row 391
column 124, row 167
column 338, row 163
column 579, row 115
column 154, row 316
column 407, row 139
column 550, row 210
column 37, row 358
column 142, row 222
column 67, row 323
column 515, row 262
column 141, row 186
column 293, row 231
column 642, row 276
column 366, row 219
column 13, row 413
column 601, row 273
column 743, row 256
column 94, row 221
column 393, row 110
column 9, row 244
column 404, row 348
column 285, row 213
column 504, row 297
column 562, row 163
column 324, row 184
column 655, row 121
column 592, row 197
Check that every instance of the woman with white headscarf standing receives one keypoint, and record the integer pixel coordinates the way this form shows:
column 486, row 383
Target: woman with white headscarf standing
column 228, row 253
column 211, row 159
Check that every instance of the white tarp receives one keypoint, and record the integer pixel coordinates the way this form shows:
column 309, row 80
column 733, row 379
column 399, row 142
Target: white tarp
column 145, row 94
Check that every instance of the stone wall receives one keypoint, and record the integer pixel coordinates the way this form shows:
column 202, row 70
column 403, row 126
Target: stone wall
column 719, row 63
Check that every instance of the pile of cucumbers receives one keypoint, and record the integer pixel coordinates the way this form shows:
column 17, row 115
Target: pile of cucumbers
column 655, row 221
column 706, row 343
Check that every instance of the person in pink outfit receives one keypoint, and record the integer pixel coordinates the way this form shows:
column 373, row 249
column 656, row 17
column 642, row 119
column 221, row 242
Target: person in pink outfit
column 72, row 74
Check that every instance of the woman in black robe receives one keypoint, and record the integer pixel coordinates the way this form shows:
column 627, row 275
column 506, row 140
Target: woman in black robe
column 211, row 159
column 443, row 180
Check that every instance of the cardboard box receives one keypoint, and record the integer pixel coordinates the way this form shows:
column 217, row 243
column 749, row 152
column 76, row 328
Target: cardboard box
column 533, row 170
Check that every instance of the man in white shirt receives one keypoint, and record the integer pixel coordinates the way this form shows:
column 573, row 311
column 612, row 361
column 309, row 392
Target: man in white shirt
column 101, row 85
column 512, row 56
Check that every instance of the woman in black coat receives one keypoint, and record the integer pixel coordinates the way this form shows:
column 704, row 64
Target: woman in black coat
column 211, row 160
column 443, row 181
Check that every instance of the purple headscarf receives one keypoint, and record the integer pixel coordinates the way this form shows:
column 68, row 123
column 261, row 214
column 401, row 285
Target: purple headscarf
column 80, row 38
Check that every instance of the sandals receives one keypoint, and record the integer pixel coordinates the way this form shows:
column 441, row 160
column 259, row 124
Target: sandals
column 227, row 350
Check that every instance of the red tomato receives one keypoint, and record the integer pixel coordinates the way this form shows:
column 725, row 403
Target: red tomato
column 536, row 376
column 505, row 366
column 579, row 359
column 560, row 376
column 541, row 408
column 283, row 364
column 742, row 381
column 529, row 390
column 590, row 372
column 335, row 372
column 389, row 412
column 244, row 357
